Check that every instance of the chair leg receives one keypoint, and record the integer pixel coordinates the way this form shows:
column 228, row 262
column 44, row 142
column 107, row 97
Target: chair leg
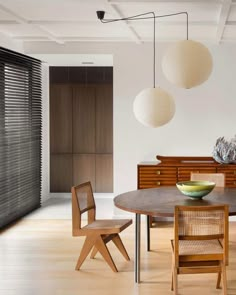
column 102, row 248
column 175, row 281
column 172, row 284
column 224, row 279
column 218, row 280
column 94, row 252
column 88, row 244
column 106, row 239
column 119, row 244
column 172, row 272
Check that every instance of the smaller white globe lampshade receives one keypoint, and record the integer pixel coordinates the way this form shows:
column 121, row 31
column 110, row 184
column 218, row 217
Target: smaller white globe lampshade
column 154, row 107
column 187, row 64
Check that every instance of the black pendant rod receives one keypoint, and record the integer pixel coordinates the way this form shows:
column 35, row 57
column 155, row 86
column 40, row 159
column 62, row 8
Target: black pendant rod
column 101, row 14
column 154, row 50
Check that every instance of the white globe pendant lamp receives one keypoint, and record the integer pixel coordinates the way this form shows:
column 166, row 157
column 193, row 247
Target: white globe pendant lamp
column 154, row 107
column 187, row 64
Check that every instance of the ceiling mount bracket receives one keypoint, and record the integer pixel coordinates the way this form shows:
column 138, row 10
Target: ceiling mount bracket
column 100, row 14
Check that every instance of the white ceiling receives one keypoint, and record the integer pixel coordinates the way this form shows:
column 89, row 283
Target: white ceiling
column 64, row 21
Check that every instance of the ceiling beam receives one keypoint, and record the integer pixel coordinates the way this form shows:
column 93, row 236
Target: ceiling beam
column 72, row 39
column 231, row 23
column 21, row 20
column 118, row 14
column 140, row 24
column 224, row 13
column 98, row 40
column 167, row 1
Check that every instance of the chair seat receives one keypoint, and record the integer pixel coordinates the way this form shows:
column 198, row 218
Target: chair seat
column 199, row 247
column 107, row 226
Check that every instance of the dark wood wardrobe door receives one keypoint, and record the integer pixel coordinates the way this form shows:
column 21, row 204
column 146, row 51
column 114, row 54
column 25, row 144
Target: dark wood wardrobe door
column 104, row 173
column 61, row 173
column 60, row 118
column 104, row 118
column 84, row 169
column 83, row 119
column 81, row 127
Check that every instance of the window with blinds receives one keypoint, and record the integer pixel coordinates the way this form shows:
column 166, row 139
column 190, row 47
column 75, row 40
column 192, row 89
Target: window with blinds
column 20, row 135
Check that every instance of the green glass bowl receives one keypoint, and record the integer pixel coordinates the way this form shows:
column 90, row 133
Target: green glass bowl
column 195, row 189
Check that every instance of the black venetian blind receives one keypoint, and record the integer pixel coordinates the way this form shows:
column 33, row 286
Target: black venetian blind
column 20, row 135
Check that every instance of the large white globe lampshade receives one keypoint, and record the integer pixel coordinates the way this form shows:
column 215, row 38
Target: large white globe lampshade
column 187, row 64
column 154, row 107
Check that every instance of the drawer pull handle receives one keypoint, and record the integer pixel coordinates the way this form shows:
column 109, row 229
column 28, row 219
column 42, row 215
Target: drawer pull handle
column 234, row 182
column 158, row 172
column 234, row 171
column 158, row 183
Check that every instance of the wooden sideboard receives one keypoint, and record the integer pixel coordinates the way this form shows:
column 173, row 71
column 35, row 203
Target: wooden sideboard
column 169, row 170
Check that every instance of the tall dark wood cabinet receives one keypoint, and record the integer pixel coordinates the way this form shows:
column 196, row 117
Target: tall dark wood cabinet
column 81, row 127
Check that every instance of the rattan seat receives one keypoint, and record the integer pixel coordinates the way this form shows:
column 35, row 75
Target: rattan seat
column 198, row 247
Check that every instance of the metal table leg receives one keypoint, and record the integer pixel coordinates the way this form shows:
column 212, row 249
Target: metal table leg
column 137, row 248
column 148, row 233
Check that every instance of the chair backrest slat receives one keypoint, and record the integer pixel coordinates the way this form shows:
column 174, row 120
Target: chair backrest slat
column 217, row 178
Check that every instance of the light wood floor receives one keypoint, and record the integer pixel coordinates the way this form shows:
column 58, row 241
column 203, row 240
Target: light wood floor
column 37, row 257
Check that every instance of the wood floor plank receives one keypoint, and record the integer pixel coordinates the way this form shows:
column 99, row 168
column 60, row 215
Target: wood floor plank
column 38, row 257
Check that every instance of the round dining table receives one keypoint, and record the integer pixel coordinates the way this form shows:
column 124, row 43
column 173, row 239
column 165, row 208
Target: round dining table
column 160, row 202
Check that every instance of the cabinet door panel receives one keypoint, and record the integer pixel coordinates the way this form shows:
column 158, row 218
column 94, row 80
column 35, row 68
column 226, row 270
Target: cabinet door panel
column 104, row 173
column 83, row 119
column 104, row 119
column 84, row 169
column 61, row 173
column 59, row 75
column 60, row 118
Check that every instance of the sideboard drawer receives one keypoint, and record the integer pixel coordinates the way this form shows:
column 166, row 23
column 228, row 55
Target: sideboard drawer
column 152, row 176
column 149, row 183
column 184, row 173
column 153, row 171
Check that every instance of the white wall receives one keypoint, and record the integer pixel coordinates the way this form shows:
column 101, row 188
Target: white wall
column 203, row 113
column 9, row 43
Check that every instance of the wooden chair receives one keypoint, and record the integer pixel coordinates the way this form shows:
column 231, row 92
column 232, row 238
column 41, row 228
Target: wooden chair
column 200, row 242
column 97, row 232
column 218, row 178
